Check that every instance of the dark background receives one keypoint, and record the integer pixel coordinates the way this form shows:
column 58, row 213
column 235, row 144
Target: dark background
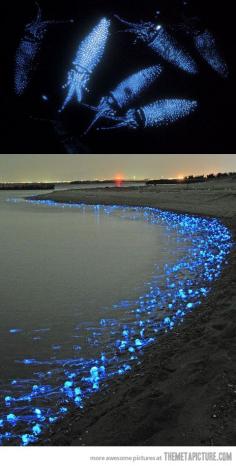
column 24, row 125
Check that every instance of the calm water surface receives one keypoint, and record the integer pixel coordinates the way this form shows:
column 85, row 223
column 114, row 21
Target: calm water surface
column 62, row 267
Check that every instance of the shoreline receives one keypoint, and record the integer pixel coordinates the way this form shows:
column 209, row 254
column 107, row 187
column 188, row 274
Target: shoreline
column 215, row 199
column 184, row 391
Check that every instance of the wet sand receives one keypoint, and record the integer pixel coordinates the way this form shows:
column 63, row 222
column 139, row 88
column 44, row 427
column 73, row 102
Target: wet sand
column 184, row 391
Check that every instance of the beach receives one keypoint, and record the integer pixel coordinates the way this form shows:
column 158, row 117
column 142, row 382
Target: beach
column 184, row 391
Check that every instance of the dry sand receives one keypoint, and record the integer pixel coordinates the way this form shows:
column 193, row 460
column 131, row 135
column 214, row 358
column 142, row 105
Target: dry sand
column 184, row 391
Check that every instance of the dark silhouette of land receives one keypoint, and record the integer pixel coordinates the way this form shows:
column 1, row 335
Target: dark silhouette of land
column 194, row 179
column 25, row 186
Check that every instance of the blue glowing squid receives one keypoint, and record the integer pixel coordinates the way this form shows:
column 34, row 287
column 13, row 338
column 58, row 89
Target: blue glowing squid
column 88, row 56
column 159, row 113
column 28, row 51
column 125, row 93
column 205, row 43
column 161, row 42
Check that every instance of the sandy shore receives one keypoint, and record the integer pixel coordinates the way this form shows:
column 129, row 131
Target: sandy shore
column 184, row 391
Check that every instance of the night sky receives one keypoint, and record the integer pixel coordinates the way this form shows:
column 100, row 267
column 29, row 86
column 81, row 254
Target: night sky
column 74, row 167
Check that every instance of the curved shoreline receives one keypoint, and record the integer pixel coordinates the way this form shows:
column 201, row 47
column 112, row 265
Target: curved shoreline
column 184, row 392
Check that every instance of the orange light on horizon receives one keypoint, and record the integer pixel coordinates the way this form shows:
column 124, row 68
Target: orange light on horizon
column 119, row 179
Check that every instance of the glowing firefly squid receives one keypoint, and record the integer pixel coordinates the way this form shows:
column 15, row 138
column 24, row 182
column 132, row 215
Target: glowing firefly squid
column 205, row 43
column 88, row 56
column 124, row 94
column 159, row 113
column 29, row 49
column 161, row 41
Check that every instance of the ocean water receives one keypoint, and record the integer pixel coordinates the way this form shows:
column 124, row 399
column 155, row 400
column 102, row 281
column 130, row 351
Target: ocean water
column 84, row 289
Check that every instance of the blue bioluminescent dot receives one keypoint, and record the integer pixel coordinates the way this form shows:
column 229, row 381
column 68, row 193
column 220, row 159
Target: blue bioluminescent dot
column 29, row 361
column 78, row 391
column 122, row 345
column 56, row 347
column 167, row 320
column 131, row 349
column 78, row 400
column 52, row 419
column 103, row 357
column 11, row 418
column 203, row 290
column 26, row 439
column 63, row 410
column 37, row 429
column 68, row 384
column 76, row 347
column 15, row 330
column 127, row 367
column 189, row 305
column 138, row 342
column 8, row 400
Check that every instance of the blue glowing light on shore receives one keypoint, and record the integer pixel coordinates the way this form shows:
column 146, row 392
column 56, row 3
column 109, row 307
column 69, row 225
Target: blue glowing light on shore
column 28, row 407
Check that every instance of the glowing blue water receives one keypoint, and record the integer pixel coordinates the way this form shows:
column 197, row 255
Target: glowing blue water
column 113, row 342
